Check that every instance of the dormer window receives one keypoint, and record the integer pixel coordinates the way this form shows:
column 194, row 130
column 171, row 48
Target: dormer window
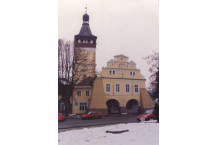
column 132, row 73
column 112, row 72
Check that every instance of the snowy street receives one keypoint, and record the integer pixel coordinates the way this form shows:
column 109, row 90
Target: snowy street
column 144, row 133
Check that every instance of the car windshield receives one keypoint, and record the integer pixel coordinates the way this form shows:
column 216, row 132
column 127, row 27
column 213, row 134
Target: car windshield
column 59, row 114
column 89, row 113
column 150, row 111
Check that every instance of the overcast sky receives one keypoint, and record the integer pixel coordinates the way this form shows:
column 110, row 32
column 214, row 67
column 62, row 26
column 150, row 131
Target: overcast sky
column 128, row 27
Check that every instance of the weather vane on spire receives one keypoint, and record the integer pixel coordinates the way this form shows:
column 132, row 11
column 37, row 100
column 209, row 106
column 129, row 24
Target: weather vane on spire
column 86, row 8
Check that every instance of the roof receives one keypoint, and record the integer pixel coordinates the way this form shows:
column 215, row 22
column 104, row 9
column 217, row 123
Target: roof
column 132, row 62
column 111, row 60
column 121, row 55
column 85, row 30
column 86, row 82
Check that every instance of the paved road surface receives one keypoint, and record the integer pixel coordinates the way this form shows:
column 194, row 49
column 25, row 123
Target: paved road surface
column 111, row 119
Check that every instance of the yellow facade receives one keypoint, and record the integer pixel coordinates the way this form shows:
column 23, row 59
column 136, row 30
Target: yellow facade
column 120, row 88
column 76, row 100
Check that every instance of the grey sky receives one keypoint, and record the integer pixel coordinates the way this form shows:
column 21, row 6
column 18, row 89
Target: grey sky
column 128, row 27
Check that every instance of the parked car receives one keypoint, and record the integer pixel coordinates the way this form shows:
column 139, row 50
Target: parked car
column 60, row 117
column 91, row 115
column 148, row 115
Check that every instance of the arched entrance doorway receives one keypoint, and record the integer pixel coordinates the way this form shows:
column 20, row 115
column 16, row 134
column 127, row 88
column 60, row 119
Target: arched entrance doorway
column 132, row 106
column 113, row 106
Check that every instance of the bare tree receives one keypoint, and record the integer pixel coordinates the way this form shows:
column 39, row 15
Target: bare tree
column 73, row 67
column 153, row 62
column 65, row 60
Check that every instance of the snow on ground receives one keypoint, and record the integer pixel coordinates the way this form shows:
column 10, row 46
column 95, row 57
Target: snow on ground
column 144, row 133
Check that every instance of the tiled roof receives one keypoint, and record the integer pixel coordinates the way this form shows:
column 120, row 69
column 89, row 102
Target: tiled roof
column 121, row 55
column 86, row 82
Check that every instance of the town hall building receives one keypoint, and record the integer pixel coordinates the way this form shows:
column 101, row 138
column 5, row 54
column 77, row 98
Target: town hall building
column 118, row 88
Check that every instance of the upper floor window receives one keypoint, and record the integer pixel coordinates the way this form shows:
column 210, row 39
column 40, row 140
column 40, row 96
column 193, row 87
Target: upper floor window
column 79, row 93
column 127, row 87
column 108, row 87
column 136, row 88
column 112, row 72
column 87, row 93
column 132, row 73
column 117, row 87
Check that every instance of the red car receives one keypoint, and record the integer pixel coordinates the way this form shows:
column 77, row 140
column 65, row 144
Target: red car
column 60, row 117
column 148, row 115
column 91, row 115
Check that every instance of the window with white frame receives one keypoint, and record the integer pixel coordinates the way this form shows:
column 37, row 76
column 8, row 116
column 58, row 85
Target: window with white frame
column 117, row 87
column 87, row 93
column 79, row 93
column 132, row 73
column 112, row 72
column 136, row 88
column 83, row 106
column 127, row 87
column 108, row 87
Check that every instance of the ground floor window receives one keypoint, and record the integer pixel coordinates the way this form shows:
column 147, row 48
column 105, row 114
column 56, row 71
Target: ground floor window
column 83, row 106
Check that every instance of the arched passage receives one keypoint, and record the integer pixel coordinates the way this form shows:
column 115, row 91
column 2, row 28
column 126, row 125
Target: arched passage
column 132, row 106
column 113, row 106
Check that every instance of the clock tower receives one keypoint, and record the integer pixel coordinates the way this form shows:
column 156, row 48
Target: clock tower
column 84, row 52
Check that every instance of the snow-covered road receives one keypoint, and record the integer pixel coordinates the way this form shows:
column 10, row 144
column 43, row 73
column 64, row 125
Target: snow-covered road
column 139, row 134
